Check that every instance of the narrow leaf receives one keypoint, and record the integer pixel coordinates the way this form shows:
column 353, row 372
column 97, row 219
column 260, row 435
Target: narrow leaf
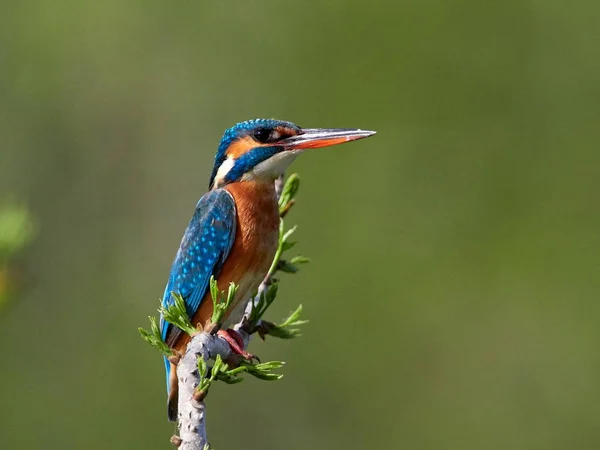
column 287, row 267
column 287, row 245
column 299, row 260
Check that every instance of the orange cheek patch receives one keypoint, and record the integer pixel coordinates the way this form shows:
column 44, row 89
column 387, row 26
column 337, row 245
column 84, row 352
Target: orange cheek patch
column 240, row 147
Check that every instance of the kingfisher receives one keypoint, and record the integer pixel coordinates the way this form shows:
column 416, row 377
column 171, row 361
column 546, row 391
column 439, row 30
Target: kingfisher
column 234, row 231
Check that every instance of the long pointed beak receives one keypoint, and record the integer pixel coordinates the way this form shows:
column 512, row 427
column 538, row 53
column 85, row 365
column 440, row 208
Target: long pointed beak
column 323, row 137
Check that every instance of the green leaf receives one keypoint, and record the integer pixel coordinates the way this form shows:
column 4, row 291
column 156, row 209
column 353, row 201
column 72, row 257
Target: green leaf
column 229, row 378
column 299, row 260
column 283, row 333
column 287, row 245
column 286, row 329
column 262, row 371
column 214, row 289
column 176, row 314
column 290, row 189
column 270, row 295
column 263, row 303
column 218, row 371
column 288, row 233
column 286, row 266
column 270, row 365
column 220, row 305
column 154, row 338
column 293, row 318
column 202, row 368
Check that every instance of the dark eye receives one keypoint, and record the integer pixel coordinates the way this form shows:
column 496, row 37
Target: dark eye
column 262, row 135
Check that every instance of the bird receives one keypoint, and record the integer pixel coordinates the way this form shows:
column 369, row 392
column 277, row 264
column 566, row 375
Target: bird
column 233, row 233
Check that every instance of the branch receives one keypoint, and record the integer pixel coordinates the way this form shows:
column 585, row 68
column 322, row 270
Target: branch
column 192, row 424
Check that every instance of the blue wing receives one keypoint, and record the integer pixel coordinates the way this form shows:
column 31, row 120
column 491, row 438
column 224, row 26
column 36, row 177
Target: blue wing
column 205, row 245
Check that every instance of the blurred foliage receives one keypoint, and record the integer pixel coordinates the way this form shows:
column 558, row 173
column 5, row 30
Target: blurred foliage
column 16, row 231
column 458, row 247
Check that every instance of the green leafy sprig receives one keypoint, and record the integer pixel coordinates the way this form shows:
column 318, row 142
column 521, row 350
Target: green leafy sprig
column 222, row 372
column 154, row 338
column 220, row 302
column 176, row 314
column 286, row 329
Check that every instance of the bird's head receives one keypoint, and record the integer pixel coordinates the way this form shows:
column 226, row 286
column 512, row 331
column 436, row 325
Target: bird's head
column 261, row 149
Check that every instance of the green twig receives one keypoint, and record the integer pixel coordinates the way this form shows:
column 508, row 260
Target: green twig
column 220, row 305
column 286, row 200
column 286, row 329
column 176, row 314
column 154, row 338
column 262, row 371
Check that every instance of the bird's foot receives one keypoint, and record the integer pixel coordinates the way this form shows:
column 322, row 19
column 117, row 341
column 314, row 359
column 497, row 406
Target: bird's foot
column 236, row 343
column 175, row 357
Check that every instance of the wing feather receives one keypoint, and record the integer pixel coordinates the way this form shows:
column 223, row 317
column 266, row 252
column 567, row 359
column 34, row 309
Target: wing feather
column 204, row 248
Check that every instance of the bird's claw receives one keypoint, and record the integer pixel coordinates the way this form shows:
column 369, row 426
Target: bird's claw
column 236, row 343
column 175, row 357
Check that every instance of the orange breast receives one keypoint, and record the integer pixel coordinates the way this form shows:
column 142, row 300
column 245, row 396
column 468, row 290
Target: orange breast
column 253, row 250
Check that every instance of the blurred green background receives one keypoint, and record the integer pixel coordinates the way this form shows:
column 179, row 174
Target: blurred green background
column 453, row 294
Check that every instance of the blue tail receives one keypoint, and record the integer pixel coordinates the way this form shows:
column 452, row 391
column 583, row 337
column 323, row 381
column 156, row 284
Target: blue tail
column 171, row 396
column 168, row 371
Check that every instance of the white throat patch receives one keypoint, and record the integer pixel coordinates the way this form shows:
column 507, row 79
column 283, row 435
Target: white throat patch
column 224, row 169
column 268, row 169
column 273, row 167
